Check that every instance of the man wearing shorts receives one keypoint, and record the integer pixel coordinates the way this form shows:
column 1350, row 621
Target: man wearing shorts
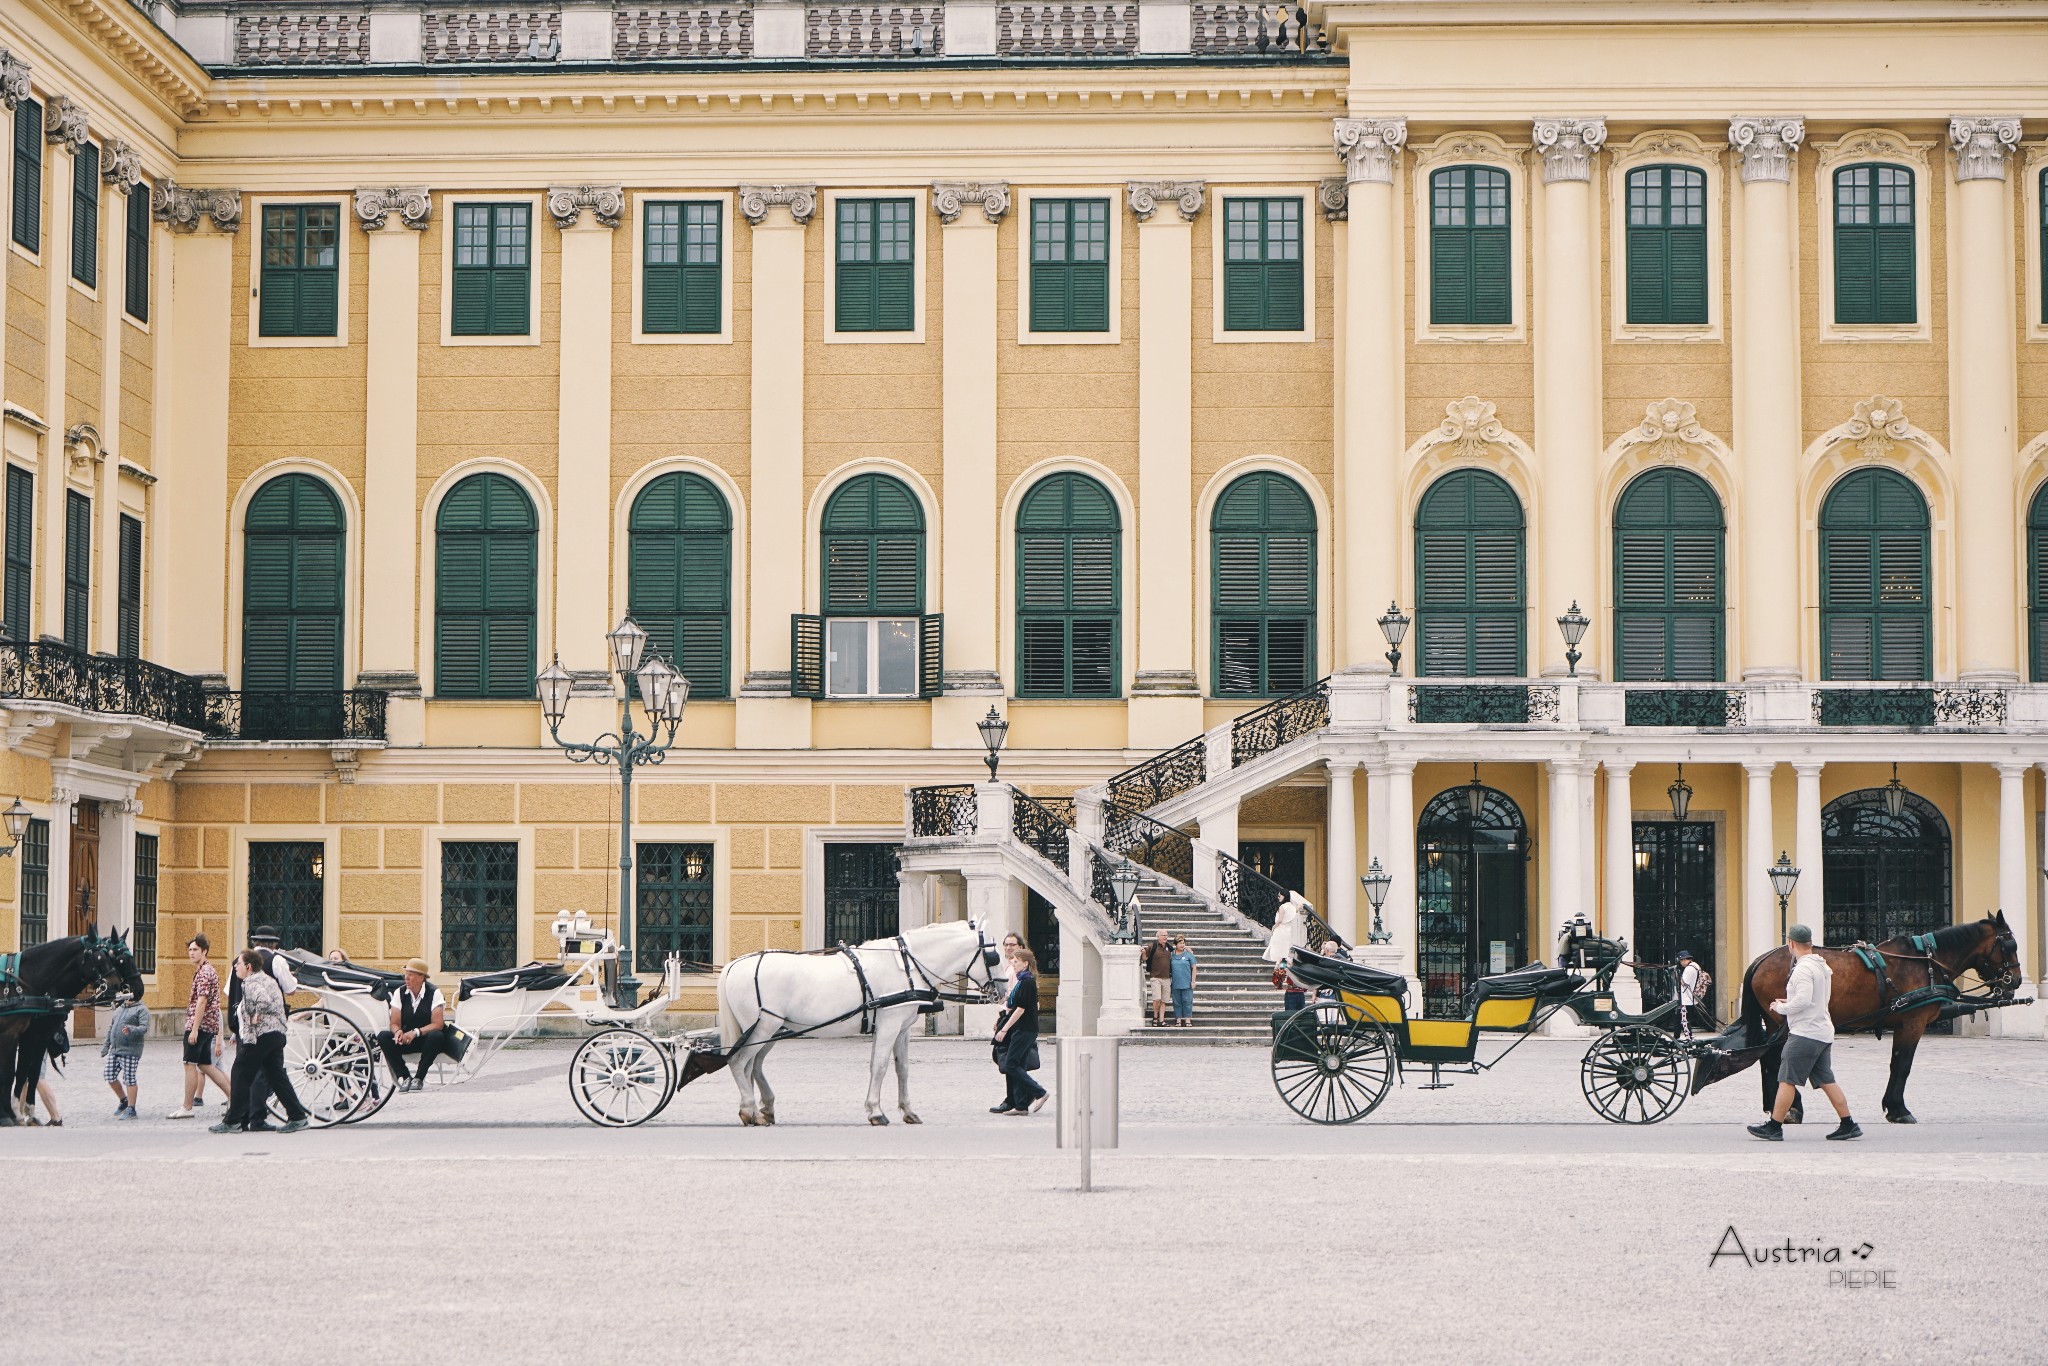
column 202, row 1030
column 1159, row 976
column 1810, row 1042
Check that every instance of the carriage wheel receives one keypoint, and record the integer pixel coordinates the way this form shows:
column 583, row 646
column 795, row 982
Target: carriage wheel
column 621, row 1078
column 1635, row 1075
column 333, row 1068
column 1332, row 1065
column 382, row 1087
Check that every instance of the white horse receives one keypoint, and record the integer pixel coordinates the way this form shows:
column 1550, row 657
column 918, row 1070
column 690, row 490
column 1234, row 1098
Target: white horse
column 769, row 996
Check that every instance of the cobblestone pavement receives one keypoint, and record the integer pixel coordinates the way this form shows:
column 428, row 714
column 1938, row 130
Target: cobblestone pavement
column 1497, row 1220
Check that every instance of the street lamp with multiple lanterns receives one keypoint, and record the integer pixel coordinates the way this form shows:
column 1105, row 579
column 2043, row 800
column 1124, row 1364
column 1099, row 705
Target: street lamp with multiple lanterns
column 663, row 693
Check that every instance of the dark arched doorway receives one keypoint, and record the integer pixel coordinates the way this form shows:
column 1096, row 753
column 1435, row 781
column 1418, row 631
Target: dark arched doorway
column 1471, row 894
column 1885, row 875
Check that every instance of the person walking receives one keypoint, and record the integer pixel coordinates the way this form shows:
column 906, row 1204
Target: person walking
column 202, row 1031
column 259, row 1027
column 122, row 1049
column 1016, row 1041
column 1159, row 976
column 1183, row 982
column 1690, row 991
column 264, row 942
column 55, row 1051
column 1810, row 1045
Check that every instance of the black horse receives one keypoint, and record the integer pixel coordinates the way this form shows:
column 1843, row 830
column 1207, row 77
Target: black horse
column 51, row 980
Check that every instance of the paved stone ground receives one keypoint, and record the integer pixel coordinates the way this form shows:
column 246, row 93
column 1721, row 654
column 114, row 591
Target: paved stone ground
column 1499, row 1220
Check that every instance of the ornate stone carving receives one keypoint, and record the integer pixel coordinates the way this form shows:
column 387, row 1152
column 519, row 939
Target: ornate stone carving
column 606, row 203
column 1876, row 425
column 1982, row 146
column 13, row 79
column 1469, row 426
column 1369, row 148
column 800, row 200
column 1567, row 147
column 64, row 121
column 1668, row 426
column 1145, row 196
column 120, row 165
column 950, row 197
column 411, row 203
column 1767, row 146
column 182, row 208
column 1334, row 195
column 82, row 445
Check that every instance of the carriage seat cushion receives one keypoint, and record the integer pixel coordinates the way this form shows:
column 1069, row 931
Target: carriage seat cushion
column 314, row 971
column 1315, row 970
column 1534, row 980
column 531, row 977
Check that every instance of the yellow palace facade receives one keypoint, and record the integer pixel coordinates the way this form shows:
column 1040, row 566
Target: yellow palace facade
column 1666, row 382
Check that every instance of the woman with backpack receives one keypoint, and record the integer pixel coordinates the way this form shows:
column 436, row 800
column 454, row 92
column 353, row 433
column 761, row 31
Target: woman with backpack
column 1693, row 985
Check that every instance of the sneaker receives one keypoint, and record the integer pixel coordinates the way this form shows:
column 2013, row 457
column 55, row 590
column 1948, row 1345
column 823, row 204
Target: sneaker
column 225, row 1128
column 1018, row 1114
column 1770, row 1130
column 261, row 1129
column 179, row 1114
column 1002, row 1109
column 127, row 1112
column 1848, row 1128
column 292, row 1126
column 1038, row 1104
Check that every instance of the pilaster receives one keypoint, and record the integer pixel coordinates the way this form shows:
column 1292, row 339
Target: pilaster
column 1397, row 856
column 1562, row 866
column 64, row 131
column 14, row 88
column 1759, row 903
column 1618, row 871
column 1811, row 894
column 121, row 171
column 2014, row 901
column 1340, row 850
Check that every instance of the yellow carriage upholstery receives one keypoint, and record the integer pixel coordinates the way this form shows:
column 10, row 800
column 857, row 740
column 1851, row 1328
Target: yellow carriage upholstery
column 1373, row 1005
column 1505, row 1012
column 1455, row 1035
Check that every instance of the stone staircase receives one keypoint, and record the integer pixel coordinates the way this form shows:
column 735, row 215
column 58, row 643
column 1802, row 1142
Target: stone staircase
column 1234, row 995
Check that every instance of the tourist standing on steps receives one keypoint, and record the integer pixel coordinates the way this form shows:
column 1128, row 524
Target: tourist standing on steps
column 1810, row 1044
column 1183, row 982
column 1159, row 976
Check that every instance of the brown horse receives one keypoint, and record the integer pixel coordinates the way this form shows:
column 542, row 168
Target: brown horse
column 1860, row 1001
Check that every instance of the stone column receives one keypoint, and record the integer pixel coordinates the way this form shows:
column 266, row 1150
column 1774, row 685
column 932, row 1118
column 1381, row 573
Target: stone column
column 1563, row 872
column 1399, row 861
column 1165, row 706
column 1984, row 412
column 116, row 907
column 1340, row 853
column 1369, row 522
column 1619, row 857
column 64, row 132
column 193, row 520
column 63, row 802
column 767, row 716
column 1811, row 897
column 2014, row 901
column 394, row 217
column 1764, row 336
column 1760, row 904
column 1568, row 426
column 121, row 169
column 969, row 530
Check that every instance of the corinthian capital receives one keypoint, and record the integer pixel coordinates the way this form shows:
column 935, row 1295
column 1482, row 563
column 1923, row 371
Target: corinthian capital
column 951, row 197
column 182, row 208
column 567, row 203
column 411, row 203
column 1766, row 145
column 120, row 165
column 64, row 121
column 1145, row 196
column 800, row 200
column 13, row 79
column 1567, row 147
column 1982, row 146
column 1369, row 148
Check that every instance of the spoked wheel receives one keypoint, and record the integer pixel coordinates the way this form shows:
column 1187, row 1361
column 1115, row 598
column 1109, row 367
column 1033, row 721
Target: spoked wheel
column 621, row 1078
column 1635, row 1075
column 1332, row 1065
column 333, row 1068
column 382, row 1086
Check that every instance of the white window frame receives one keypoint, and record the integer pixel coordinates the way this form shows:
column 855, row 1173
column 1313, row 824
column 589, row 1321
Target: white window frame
column 1310, row 221
column 1663, row 149
column 873, row 692
column 2032, row 164
column 1026, row 334
column 726, row 237
column 920, row 264
column 343, row 249
column 1472, row 149
column 443, row 223
column 1878, row 146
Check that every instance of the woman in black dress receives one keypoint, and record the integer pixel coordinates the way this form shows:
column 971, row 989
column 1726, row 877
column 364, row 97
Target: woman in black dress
column 1016, row 1040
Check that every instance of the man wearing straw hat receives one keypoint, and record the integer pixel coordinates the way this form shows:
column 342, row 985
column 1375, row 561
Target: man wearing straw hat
column 418, row 1025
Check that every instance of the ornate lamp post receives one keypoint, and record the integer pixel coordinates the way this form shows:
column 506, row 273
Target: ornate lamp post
column 1394, row 626
column 994, row 730
column 1680, row 793
column 663, row 693
column 1376, row 881
column 1895, row 796
column 1573, row 624
column 1784, row 877
column 1123, row 885
column 17, row 826
column 1475, row 797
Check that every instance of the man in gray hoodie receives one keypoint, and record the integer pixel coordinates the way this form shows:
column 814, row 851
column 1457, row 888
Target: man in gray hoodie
column 1810, row 1042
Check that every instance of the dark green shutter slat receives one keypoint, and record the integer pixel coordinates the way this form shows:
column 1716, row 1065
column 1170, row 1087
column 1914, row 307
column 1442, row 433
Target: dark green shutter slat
column 1688, row 276
column 1471, row 264
column 15, row 611
column 1876, row 614
column 470, row 309
column 701, row 303
column 679, row 576
column 129, row 628
column 491, row 289
column 28, row 175
column 485, row 590
column 1263, row 585
column 873, row 550
column 931, row 655
column 895, row 294
column 1088, row 296
column 806, row 656
column 2037, row 582
column 856, row 291
column 661, row 299
column 85, row 215
column 1471, row 589
column 509, row 286
column 1051, row 296
column 1896, row 301
column 137, row 287
column 279, row 305
column 1068, row 605
column 1450, row 276
column 77, row 569
column 873, row 292
column 1283, row 292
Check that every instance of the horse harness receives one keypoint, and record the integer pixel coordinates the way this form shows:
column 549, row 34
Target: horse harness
column 1936, row 993
column 918, row 986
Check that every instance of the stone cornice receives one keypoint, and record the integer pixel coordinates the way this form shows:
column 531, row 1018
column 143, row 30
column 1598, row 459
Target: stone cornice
column 1369, row 148
column 951, row 197
column 1145, row 197
column 1567, row 147
column 800, row 200
column 412, row 204
column 151, row 55
column 1983, row 146
column 1766, row 145
column 182, row 208
column 606, row 204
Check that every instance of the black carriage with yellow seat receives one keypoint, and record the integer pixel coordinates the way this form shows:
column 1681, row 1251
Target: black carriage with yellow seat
column 1336, row 1058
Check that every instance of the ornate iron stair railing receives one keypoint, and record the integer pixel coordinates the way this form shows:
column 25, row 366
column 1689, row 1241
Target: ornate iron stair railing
column 1279, row 722
column 936, row 812
column 1247, row 891
column 1141, row 787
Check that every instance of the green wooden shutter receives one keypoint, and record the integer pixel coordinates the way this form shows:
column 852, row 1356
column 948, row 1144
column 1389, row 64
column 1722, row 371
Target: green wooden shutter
column 137, row 284
column 15, row 601
column 292, row 594
column 931, row 655
column 129, row 607
column 661, row 265
column 679, row 577
column 1069, row 618
column 299, row 294
column 1668, row 590
column 85, row 215
column 873, row 553
column 1471, row 264
column 1876, row 612
column 2037, row 587
column 1069, row 277
column 28, row 175
column 1471, row 579
column 703, row 302
column 1667, row 245
column 1875, row 271
column 875, row 269
column 1263, row 588
column 1263, row 280
column 77, row 570
column 806, row 656
column 490, row 279
column 485, row 590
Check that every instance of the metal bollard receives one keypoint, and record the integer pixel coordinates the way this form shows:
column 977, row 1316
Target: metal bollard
column 1087, row 1126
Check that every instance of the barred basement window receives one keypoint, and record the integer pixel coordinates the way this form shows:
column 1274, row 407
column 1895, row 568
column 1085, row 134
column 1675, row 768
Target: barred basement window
column 1070, row 265
column 1263, row 286
column 679, row 577
column 1470, row 249
column 142, row 941
column 292, row 588
column 491, row 280
column 479, row 905
column 16, row 598
column 1471, row 610
column 301, row 283
column 1263, row 588
column 1069, row 590
column 486, row 575
column 35, row 883
column 673, row 904
column 85, row 215
column 1667, row 245
column 1876, row 615
column 1874, row 267
column 28, row 175
column 876, row 290
column 1668, row 603
column 680, row 289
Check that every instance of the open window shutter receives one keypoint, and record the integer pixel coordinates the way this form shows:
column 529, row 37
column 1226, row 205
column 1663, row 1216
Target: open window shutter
column 1895, row 301
column 806, row 656
column 1450, row 276
column 28, row 174
column 931, row 655
column 1855, row 275
column 85, row 215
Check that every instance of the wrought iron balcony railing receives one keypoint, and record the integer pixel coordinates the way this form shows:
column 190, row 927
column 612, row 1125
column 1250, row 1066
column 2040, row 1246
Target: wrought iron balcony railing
column 49, row 671
column 941, row 811
column 1482, row 704
column 356, row 715
column 1922, row 705
column 1278, row 722
column 1247, row 891
column 1143, row 786
column 1704, row 708
column 1163, row 849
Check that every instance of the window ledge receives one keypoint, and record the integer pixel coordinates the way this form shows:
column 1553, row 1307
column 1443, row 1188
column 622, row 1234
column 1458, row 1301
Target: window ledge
column 1877, row 332
column 1667, row 332
column 91, row 292
column 450, row 339
column 34, row 258
column 1441, row 332
column 1226, row 338
column 310, row 343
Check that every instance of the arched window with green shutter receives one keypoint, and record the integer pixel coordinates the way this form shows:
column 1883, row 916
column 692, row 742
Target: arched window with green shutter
column 1471, row 254
column 1667, row 245
column 292, row 562
column 1876, row 615
column 1471, row 613
column 679, row 577
column 1263, row 588
column 874, row 639
column 2037, row 586
column 1668, row 597
column 1069, row 589
column 1874, row 268
column 486, row 577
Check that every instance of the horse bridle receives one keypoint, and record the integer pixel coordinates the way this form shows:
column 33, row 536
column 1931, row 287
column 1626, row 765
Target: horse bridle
column 109, row 976
column 989, row 991
column 1998, row 989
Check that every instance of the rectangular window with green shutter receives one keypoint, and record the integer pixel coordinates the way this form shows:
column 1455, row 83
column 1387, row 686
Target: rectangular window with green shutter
column 1470, row 248
column 28, row 175
column 137, row 284
column 128, row 643
column 491, row 279
column 682, row 289
column 77, row 569
column 1667, row 246
column 85, row 215
column 1263, row 284
column 1875, row 272
column 15, row 599
column 874, row 263
column 300, row 290
column 1070, row 265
